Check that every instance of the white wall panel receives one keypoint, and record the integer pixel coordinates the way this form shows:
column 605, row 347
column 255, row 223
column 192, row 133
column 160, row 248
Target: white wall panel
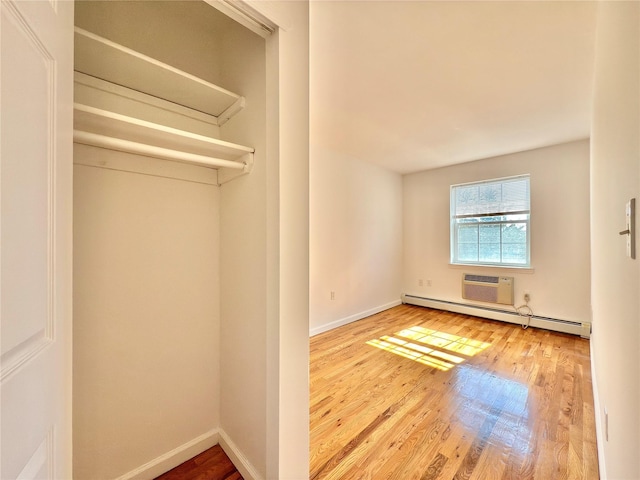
column 355, row 240
column 243, row 255
column 558, row 280
column 615, row 178
column 146, row 329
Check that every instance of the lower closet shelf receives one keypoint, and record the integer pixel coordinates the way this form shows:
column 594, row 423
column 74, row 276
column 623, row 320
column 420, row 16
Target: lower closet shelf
column 103, row 141
column 104, row 129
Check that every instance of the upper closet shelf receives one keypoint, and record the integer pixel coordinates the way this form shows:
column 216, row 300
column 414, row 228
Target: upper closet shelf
column 107, row 60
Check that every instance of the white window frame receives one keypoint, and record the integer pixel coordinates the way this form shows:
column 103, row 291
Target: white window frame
column 523, row 216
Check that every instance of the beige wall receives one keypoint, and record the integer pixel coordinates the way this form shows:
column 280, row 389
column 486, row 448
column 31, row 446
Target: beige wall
column 146, row 315
column 558, row 281
column 355, row 241
column 272, row 220
column 191, row 44
column 243, row 262
column 287, row 365
column 615, row 178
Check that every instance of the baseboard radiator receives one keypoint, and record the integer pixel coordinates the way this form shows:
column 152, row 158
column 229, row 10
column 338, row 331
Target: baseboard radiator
column 510, row 316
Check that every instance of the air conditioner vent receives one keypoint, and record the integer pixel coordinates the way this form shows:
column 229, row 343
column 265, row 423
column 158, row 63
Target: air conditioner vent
column 486, row 288
column 480, row 278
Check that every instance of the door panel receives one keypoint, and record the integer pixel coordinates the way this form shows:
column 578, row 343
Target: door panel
column 36, row 43
column 26, row 187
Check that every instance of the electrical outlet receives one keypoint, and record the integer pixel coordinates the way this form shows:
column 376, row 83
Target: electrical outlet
column 428, row 282
column 420, row 283
column 333, row 295
column 527, row 297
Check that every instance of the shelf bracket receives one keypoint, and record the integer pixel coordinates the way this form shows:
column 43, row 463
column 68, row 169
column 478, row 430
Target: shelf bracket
column 238, row 105
column 225, row 175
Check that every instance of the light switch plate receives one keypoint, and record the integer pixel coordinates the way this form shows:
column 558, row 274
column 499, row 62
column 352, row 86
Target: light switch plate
column 631, row 228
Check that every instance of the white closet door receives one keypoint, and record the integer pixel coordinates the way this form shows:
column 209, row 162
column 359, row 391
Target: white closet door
column 36, row 235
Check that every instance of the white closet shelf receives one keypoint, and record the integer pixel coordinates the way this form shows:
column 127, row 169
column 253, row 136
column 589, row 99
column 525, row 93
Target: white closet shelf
column 110, row 61
column 101, row 128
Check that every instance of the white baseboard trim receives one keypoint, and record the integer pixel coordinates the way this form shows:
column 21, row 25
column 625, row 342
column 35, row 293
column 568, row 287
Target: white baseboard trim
column 352, row 318
column 510, row 316
column 246, row 469
column 598, row 414
column 173, row 458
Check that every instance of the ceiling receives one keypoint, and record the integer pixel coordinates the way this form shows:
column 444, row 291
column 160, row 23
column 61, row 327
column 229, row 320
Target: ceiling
column 417, row 85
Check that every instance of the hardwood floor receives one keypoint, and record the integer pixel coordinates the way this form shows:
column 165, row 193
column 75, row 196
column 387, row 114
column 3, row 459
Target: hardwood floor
column 414, row 393
column 212, row 464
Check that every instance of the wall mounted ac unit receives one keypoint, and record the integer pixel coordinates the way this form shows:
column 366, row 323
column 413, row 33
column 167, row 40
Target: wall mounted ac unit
column 486, row 288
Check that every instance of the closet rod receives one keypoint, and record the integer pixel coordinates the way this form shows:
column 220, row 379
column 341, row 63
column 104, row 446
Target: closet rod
column 97, row 140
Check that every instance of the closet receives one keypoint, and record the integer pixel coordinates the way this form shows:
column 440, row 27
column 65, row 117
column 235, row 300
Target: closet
column 121, row 113
column 170, row 229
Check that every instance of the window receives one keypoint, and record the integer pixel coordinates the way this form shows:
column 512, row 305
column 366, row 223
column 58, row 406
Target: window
column 490, row 222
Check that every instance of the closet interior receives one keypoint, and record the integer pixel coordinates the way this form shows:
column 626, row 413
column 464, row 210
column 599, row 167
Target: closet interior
column 170, row 237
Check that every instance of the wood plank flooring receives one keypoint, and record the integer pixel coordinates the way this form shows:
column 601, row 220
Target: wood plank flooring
column 415, row 393
column 212, row 464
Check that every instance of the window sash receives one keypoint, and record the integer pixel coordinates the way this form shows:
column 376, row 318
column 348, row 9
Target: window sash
column 499, row 196
column 511, row 209
column 496, row 214
column 504, row 259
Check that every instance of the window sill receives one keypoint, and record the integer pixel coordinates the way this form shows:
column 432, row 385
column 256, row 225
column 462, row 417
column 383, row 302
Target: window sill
column 511, row 269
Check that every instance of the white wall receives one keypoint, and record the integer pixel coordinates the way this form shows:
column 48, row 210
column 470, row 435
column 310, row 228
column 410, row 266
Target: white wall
column 355, row 244
column 264, row 256
column 243, row 258
column 615, row 178
column 287, row 365
column 146, row 315
column 559, row 278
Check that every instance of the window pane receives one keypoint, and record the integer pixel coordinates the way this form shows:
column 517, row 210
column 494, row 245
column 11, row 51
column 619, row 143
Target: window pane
column 489, row 198
column 514, row 253
column 489, row 248
column 489, row 252
column 516, row 195
column 490, row 234
column 467, row 252
column 514, row 233
column 466, row 199
column 468, row 234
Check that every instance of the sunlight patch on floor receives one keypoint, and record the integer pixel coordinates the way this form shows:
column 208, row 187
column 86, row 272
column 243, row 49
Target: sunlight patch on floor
column 426, row 346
